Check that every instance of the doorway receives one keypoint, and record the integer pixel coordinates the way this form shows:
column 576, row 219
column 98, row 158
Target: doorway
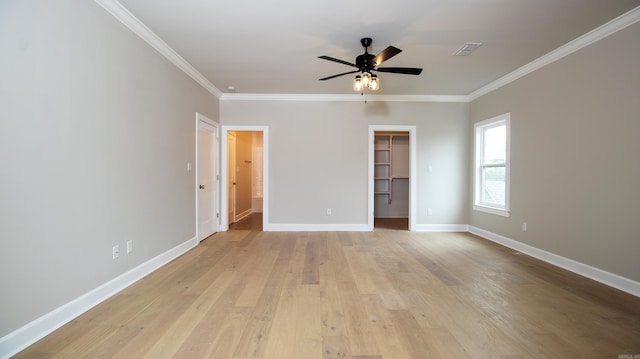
column 231, row 177
column 391, row 177
column 207, row 177
column 244, row 176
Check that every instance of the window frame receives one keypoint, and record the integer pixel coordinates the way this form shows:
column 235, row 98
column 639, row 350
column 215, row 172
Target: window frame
column 478, row 180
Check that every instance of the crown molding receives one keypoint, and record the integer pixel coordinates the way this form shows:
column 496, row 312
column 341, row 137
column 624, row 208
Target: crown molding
column 134, row 24
column 609, row 28
column 341, row 97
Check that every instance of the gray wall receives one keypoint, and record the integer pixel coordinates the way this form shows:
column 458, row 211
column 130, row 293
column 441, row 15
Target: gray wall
column 575, row 155
column 318, row 157
column 96, row 129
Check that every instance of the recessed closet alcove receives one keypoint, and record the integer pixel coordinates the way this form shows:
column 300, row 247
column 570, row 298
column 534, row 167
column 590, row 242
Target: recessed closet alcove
column 391, row 176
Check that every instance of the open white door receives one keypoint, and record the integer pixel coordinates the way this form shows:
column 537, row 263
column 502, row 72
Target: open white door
column 207, row 178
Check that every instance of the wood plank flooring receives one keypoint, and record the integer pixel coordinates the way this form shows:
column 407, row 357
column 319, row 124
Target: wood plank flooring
column 377, row 295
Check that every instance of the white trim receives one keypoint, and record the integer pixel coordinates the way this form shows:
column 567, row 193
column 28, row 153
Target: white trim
column 490, row 210
column 134, row 24
column 316, row 227
column 599, row 275
column 224, row 159
column 243, row 215
column 361, row 227
column 611, row 27
column 442, row 228
column 478, row 140
column 341, row 97
column 21, row 338
column 412, row 172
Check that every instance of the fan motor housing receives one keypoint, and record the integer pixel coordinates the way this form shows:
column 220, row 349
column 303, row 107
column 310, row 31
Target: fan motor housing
column 366, row 42
column 367, row 62
column 364, row 61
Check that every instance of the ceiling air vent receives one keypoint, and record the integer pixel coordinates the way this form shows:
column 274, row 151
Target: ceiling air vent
column 467, row 48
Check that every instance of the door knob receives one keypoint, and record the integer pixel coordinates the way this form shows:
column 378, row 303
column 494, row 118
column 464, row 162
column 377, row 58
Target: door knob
column 201, row 186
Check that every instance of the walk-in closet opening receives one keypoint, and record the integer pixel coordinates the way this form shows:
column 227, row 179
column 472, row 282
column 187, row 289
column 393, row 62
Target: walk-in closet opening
column 391, row 179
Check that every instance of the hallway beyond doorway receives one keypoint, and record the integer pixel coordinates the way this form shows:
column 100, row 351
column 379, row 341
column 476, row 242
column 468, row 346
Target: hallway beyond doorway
column 251, row 222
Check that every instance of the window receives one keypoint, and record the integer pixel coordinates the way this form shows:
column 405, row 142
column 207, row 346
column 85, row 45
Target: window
column 491, row 175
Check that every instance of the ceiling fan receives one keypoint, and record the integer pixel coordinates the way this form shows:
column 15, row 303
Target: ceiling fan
column 366, row 63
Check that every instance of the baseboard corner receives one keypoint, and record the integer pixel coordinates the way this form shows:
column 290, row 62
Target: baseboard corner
column 35, row 330
column 607, row 278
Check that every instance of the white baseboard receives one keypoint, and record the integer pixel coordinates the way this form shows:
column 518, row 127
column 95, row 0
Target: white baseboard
column 599, row 275
column 441, row 228
column 30, row 333
column 243, row 215
column 360, row 227
column 315, row 227
column 21, row 338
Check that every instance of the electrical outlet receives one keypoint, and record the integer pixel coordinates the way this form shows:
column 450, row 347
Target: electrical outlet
column 429, row 212
column 524, row 226
column 116, row 251
column 129, row 246
column 328, row 211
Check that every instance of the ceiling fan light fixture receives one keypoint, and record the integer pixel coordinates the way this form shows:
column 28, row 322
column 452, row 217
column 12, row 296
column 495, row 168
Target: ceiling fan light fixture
column 366, row 79
column 366, row 63
column 375, row 83
column 357, row 83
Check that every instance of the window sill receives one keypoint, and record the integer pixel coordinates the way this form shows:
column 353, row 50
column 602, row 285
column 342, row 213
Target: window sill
column 496, row 211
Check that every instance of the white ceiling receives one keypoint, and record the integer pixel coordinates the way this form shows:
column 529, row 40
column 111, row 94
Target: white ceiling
column 272, row 46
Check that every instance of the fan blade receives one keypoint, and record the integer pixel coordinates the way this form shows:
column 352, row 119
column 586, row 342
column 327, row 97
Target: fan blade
column 401, row 70
column 385, row 55
column 337, row 60
column 346, row 73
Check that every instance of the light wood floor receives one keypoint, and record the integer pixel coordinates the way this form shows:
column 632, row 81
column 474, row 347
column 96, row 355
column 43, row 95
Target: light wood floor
column 391, row 223
column 382, row 294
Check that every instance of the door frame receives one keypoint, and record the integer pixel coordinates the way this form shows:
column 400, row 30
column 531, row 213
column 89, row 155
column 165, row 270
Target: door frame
column 232, row 161
column 224, row 158
column 412, row 171
column 202, row 118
